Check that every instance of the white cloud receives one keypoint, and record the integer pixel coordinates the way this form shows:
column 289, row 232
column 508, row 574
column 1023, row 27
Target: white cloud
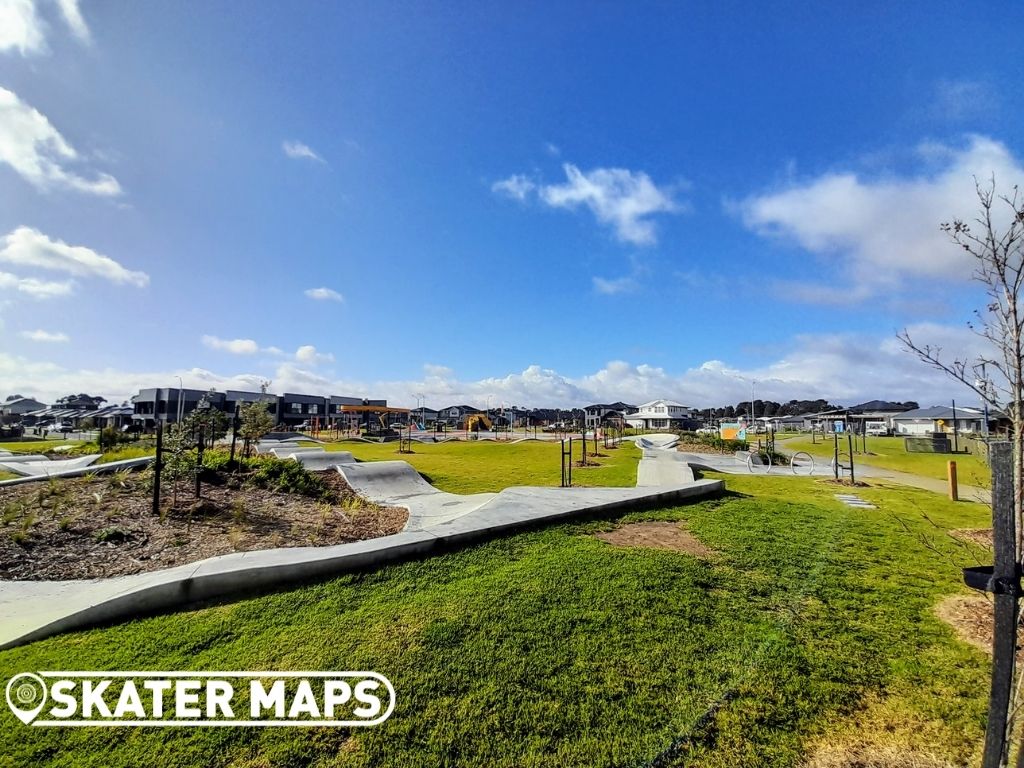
column 38, row 152
column 307, row 354
column 619, row 198
column 46, row 336
column 299, row 151
column 234, row 346
column 610, row 287
column 516, row 187
column 876, row 233
column 27, row 247
column 324, row 294
column 552, row 149
column 73, row 16
column 37, row 289
column 843, row 368
column 964, row 99
column 21, row 28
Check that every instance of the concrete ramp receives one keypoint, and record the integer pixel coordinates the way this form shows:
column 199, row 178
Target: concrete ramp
column 47, row 468
column 320, row 460
column 288, row 449
column 396, row 483
column 110, row 466
column 20, row 457
column 661, row 467
column 662, row 441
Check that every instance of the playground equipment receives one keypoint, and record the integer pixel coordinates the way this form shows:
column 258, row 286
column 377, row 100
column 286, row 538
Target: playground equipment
column 381, row 413
column 476, row 421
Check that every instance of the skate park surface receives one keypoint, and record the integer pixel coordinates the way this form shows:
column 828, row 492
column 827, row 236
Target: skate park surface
column 31, row 610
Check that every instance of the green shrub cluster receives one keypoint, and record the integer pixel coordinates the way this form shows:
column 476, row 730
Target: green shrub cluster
column 283, row 475
column 714, row 442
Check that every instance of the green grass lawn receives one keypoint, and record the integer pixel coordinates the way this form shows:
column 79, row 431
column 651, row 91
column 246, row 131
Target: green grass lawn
column 34, row 446
column 483, row 466
column 552, row 648
column 889, row 453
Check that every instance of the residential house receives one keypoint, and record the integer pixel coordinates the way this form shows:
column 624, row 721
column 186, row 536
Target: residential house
column 603, row 414
column 661, row 414
column 161, row 404
column 81, row 402
column 296, row 409
column 939, row 418
column 454, row 415
column 16, row 406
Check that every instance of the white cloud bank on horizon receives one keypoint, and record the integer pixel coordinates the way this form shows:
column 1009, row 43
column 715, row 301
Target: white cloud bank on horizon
column 843, row 368
column 618, row 198
column 879, row 234
column 40, row 154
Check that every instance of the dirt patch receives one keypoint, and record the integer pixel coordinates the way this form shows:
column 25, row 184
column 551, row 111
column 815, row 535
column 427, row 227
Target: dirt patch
column 872, row 756
column 845, row 483
column 980, row 536
column 693, row 446
column 85, row 528
column 657, row 535
column 971, row 617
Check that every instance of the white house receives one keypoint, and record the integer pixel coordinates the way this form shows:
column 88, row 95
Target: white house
column 938, row 418
column 659, row 414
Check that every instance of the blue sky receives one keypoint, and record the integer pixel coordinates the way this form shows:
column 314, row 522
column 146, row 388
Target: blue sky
column 536, row 203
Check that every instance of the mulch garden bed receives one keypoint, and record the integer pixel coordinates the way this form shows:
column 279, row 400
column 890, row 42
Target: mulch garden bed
column 86, row 528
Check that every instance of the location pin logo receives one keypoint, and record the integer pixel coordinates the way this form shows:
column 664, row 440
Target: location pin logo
column 26, row 696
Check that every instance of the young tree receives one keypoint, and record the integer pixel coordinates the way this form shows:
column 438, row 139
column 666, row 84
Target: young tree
column 255, row 422
column 997, row 376
column 994, row 244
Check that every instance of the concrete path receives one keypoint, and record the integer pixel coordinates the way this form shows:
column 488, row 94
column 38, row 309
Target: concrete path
column 437, row 521
column 967, row 493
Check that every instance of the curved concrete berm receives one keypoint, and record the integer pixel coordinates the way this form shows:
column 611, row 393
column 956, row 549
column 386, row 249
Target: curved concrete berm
column 17, row 458
column 437, row 521
column 46, row 468
column 89, row 469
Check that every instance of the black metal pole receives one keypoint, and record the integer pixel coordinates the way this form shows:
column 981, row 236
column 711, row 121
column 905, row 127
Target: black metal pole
column 1005, row 577
column 835, row 452
column 158, row 466
column 849, row 445
column 235, row 423
column 956, row 442
column 199, row 458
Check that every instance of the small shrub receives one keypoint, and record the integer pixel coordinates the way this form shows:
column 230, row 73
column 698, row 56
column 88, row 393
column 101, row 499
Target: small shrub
column 286, row 476
column 112, row 535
